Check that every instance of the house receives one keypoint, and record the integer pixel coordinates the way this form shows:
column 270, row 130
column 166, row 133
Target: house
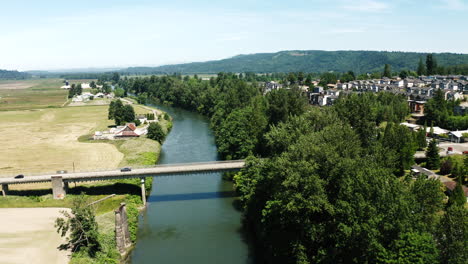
column 66, row 86
column 417, row 106
column 412, row 127
column 270, row 86
column 126, row 131
column 437, row 131
column 399, row 83
column 457, row 136
column 85, row 86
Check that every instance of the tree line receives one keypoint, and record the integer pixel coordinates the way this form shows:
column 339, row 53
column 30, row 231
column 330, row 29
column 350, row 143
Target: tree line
column 331, row 185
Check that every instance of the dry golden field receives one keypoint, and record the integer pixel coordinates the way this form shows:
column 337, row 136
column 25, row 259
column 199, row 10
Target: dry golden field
column 45, row 140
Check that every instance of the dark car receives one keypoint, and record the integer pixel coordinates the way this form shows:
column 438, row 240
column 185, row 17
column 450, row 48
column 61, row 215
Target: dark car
column 20, row 176
column 126, row 169
column 61, row 172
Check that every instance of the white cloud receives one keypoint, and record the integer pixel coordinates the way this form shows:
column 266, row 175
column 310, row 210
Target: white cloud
column 366, row 6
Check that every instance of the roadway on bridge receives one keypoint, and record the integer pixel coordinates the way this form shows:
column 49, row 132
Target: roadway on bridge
column 159, row 170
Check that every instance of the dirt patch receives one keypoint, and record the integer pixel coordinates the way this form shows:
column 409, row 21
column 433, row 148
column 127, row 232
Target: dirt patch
column 27, row 235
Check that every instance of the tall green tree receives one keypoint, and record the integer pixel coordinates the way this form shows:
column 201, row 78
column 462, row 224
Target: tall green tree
column 421, row 68
column 436, row 109
column 432, row 155
column 387, row 71
column 431, row 64
column 453, row 235
column 80, row 227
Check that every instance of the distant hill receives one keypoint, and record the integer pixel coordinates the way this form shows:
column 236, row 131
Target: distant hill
column 307, row 61
column 15, row 75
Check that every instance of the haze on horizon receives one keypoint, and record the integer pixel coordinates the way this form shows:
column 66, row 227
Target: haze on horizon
column 52, row 34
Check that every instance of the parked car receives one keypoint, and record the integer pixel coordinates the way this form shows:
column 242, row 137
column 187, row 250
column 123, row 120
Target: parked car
column 126, row 169
column 465, row 152
column 19, row 176
column 449, row 151
column 61, row 172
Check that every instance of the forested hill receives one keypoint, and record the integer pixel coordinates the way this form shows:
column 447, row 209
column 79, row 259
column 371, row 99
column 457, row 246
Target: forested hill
column 308, row 61
column 16, row 75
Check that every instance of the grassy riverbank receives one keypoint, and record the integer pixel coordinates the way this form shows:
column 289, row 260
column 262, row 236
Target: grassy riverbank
column 44, row 139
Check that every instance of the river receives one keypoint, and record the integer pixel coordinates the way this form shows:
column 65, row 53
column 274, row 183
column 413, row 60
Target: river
column 190, row 219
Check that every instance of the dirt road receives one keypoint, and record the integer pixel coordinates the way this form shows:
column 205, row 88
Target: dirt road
column 27, row 235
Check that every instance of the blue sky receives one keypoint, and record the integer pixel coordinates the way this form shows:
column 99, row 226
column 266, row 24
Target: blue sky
column 53, row 34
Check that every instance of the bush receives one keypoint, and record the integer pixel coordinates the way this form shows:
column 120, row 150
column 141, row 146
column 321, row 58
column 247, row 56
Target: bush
column 137, row 122
column 156, row 132
column 446, row 166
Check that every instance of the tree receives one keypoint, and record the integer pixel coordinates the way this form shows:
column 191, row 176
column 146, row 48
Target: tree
column 432, row 155
column 115, row 77
column 128, row 114
column 80, row 226
column 421, row 138
column 412, row 248
column 387, row 71
column 421, row 68
column 120, row 113
column 436, row 109
column 119, row 92
column 156, row 132
column 431, row 64
column 457, row 197
column 453, row 235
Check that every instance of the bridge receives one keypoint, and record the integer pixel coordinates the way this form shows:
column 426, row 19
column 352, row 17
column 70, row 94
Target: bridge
column 60, row 182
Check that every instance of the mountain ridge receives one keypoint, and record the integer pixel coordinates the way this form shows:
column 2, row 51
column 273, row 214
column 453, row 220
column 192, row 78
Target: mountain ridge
column 359, row 61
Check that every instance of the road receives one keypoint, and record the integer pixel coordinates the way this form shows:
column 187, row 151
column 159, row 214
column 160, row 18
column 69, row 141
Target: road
column 458, row 148
column 158, row 170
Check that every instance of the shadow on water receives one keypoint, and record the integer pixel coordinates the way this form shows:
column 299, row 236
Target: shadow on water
column 191, row 196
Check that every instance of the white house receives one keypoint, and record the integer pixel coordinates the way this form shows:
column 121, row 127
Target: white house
column 457, row 136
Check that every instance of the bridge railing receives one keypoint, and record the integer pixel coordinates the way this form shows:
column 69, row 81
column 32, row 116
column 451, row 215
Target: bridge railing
column 118, row 169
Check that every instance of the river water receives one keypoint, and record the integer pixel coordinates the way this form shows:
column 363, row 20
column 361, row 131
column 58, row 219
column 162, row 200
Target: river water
column 190, row 219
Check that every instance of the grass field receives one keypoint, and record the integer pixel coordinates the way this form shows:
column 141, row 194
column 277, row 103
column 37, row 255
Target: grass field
column 31, row 94
column 46, row 140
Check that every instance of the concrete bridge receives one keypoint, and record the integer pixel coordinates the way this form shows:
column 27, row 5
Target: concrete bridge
column 60, row 181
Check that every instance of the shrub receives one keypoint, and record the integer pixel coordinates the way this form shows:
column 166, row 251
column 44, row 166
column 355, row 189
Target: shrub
column 446, row 166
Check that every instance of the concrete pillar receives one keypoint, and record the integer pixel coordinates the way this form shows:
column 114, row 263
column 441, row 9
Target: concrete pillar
column 125, row 230
column 65, row 186
column 119, row 239
column 58, row 189
column 122, row 233
column 4, row 189
column 143, row 191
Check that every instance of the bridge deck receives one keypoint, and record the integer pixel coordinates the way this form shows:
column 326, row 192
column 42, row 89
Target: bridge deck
column 158, row 170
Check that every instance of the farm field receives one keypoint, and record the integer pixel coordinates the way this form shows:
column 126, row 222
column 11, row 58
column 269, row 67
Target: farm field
column 45, row 140
column 31, row 94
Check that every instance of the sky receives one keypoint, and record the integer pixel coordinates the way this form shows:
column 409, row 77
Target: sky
column 57, row 34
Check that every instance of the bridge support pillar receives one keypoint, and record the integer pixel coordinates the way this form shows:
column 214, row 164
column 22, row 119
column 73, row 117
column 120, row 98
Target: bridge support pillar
column 58, row 187
column 65, row 186
column 143, row 190
column 4, row 189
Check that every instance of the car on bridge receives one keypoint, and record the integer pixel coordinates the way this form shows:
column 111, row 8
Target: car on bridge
column 126, row 169
column 19, row 176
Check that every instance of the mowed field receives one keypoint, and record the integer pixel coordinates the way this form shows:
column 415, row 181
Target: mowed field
column 31, row 94
column 46, row 140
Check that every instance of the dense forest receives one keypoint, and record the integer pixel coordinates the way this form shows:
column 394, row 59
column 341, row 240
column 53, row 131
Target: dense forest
column 13, row 75
column 309, row 61
column 324, row 185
